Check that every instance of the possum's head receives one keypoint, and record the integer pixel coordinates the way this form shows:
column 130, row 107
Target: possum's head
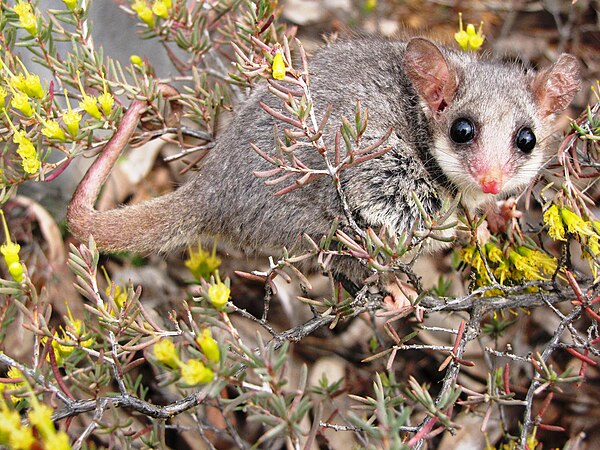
column 491, row 123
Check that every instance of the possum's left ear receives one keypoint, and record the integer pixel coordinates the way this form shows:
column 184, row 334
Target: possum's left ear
column 433, row 78
column 554, row 88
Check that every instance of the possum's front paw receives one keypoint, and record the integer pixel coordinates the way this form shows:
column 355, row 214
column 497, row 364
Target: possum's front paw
column 400, row 298
column 500, row 216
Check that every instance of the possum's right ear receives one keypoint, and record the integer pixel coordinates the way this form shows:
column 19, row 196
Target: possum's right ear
column 431, row 75
column 555, row 87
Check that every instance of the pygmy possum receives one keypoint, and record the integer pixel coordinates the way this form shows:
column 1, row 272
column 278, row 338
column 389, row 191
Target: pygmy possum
column 461, row 124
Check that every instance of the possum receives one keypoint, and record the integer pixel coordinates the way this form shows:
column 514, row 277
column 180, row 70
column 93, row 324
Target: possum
column 462, row 125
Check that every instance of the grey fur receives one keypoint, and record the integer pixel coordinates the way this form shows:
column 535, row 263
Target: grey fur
column 224, row 199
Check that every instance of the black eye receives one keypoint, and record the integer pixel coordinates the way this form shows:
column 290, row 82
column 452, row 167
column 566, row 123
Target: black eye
column 462, row 131
column 525, row 140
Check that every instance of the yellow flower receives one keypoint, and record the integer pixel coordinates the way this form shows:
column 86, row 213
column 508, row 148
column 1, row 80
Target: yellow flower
column 278, row 66
column 88, row 103
column 33, row 86
column 479, row 266
column 71, row 118
column 27, row 19
column 469, row 39
column 60, row 351
column 20, row 101
column 143, row 12
column 575, row 224
column 592, row 253
column 3, row 95
column 10, row 420
column 195, row 372
column 26, row 149
column 41, row 416
column 21, row 438
column 160, row 9
column 52, row 130
column 57, row 441
column 76, row 327
column 476, row 38
column 201, row 263
column 16, row 374
column 218, row 295
column 370, row 5
column 467, row 253
column 532, row 441
column 556, row 229
column 527, row 269
column 494, row 253
column 10, row 251
column 71, row 4
column 17, row 82
column 22, row 8
column 502, row 272
column 136, row 60
column 120, row 295
column 16, row 271
column 18, row 135
column 164, row 351
column 106, row 100
column 209, row 346
column 31, row 165
column 538, row 259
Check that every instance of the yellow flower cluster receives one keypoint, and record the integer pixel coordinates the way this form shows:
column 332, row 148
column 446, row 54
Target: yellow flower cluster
column 27, row 97
column 40, row 433
column 27, row 18
column 193, row 371
column 25, row 149
column 469, row 39
column 201, row 263
column 90, row 104
column 26, row 88
column 71, row 334
column 10, row 251
column 160, row 8
column 562, row 221
column 508, row 265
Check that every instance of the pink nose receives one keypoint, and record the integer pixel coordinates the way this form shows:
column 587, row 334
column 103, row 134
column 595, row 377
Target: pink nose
column 491, row 180
column 491, row 186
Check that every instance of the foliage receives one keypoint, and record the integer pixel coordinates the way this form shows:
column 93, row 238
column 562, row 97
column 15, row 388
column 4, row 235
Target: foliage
column 105, row 365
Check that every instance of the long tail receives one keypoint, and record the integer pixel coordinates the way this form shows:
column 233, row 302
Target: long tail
column 140, row 228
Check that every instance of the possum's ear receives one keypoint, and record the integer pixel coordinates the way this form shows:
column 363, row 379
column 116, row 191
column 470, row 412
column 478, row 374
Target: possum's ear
column 431, row 75
column 554, row 88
